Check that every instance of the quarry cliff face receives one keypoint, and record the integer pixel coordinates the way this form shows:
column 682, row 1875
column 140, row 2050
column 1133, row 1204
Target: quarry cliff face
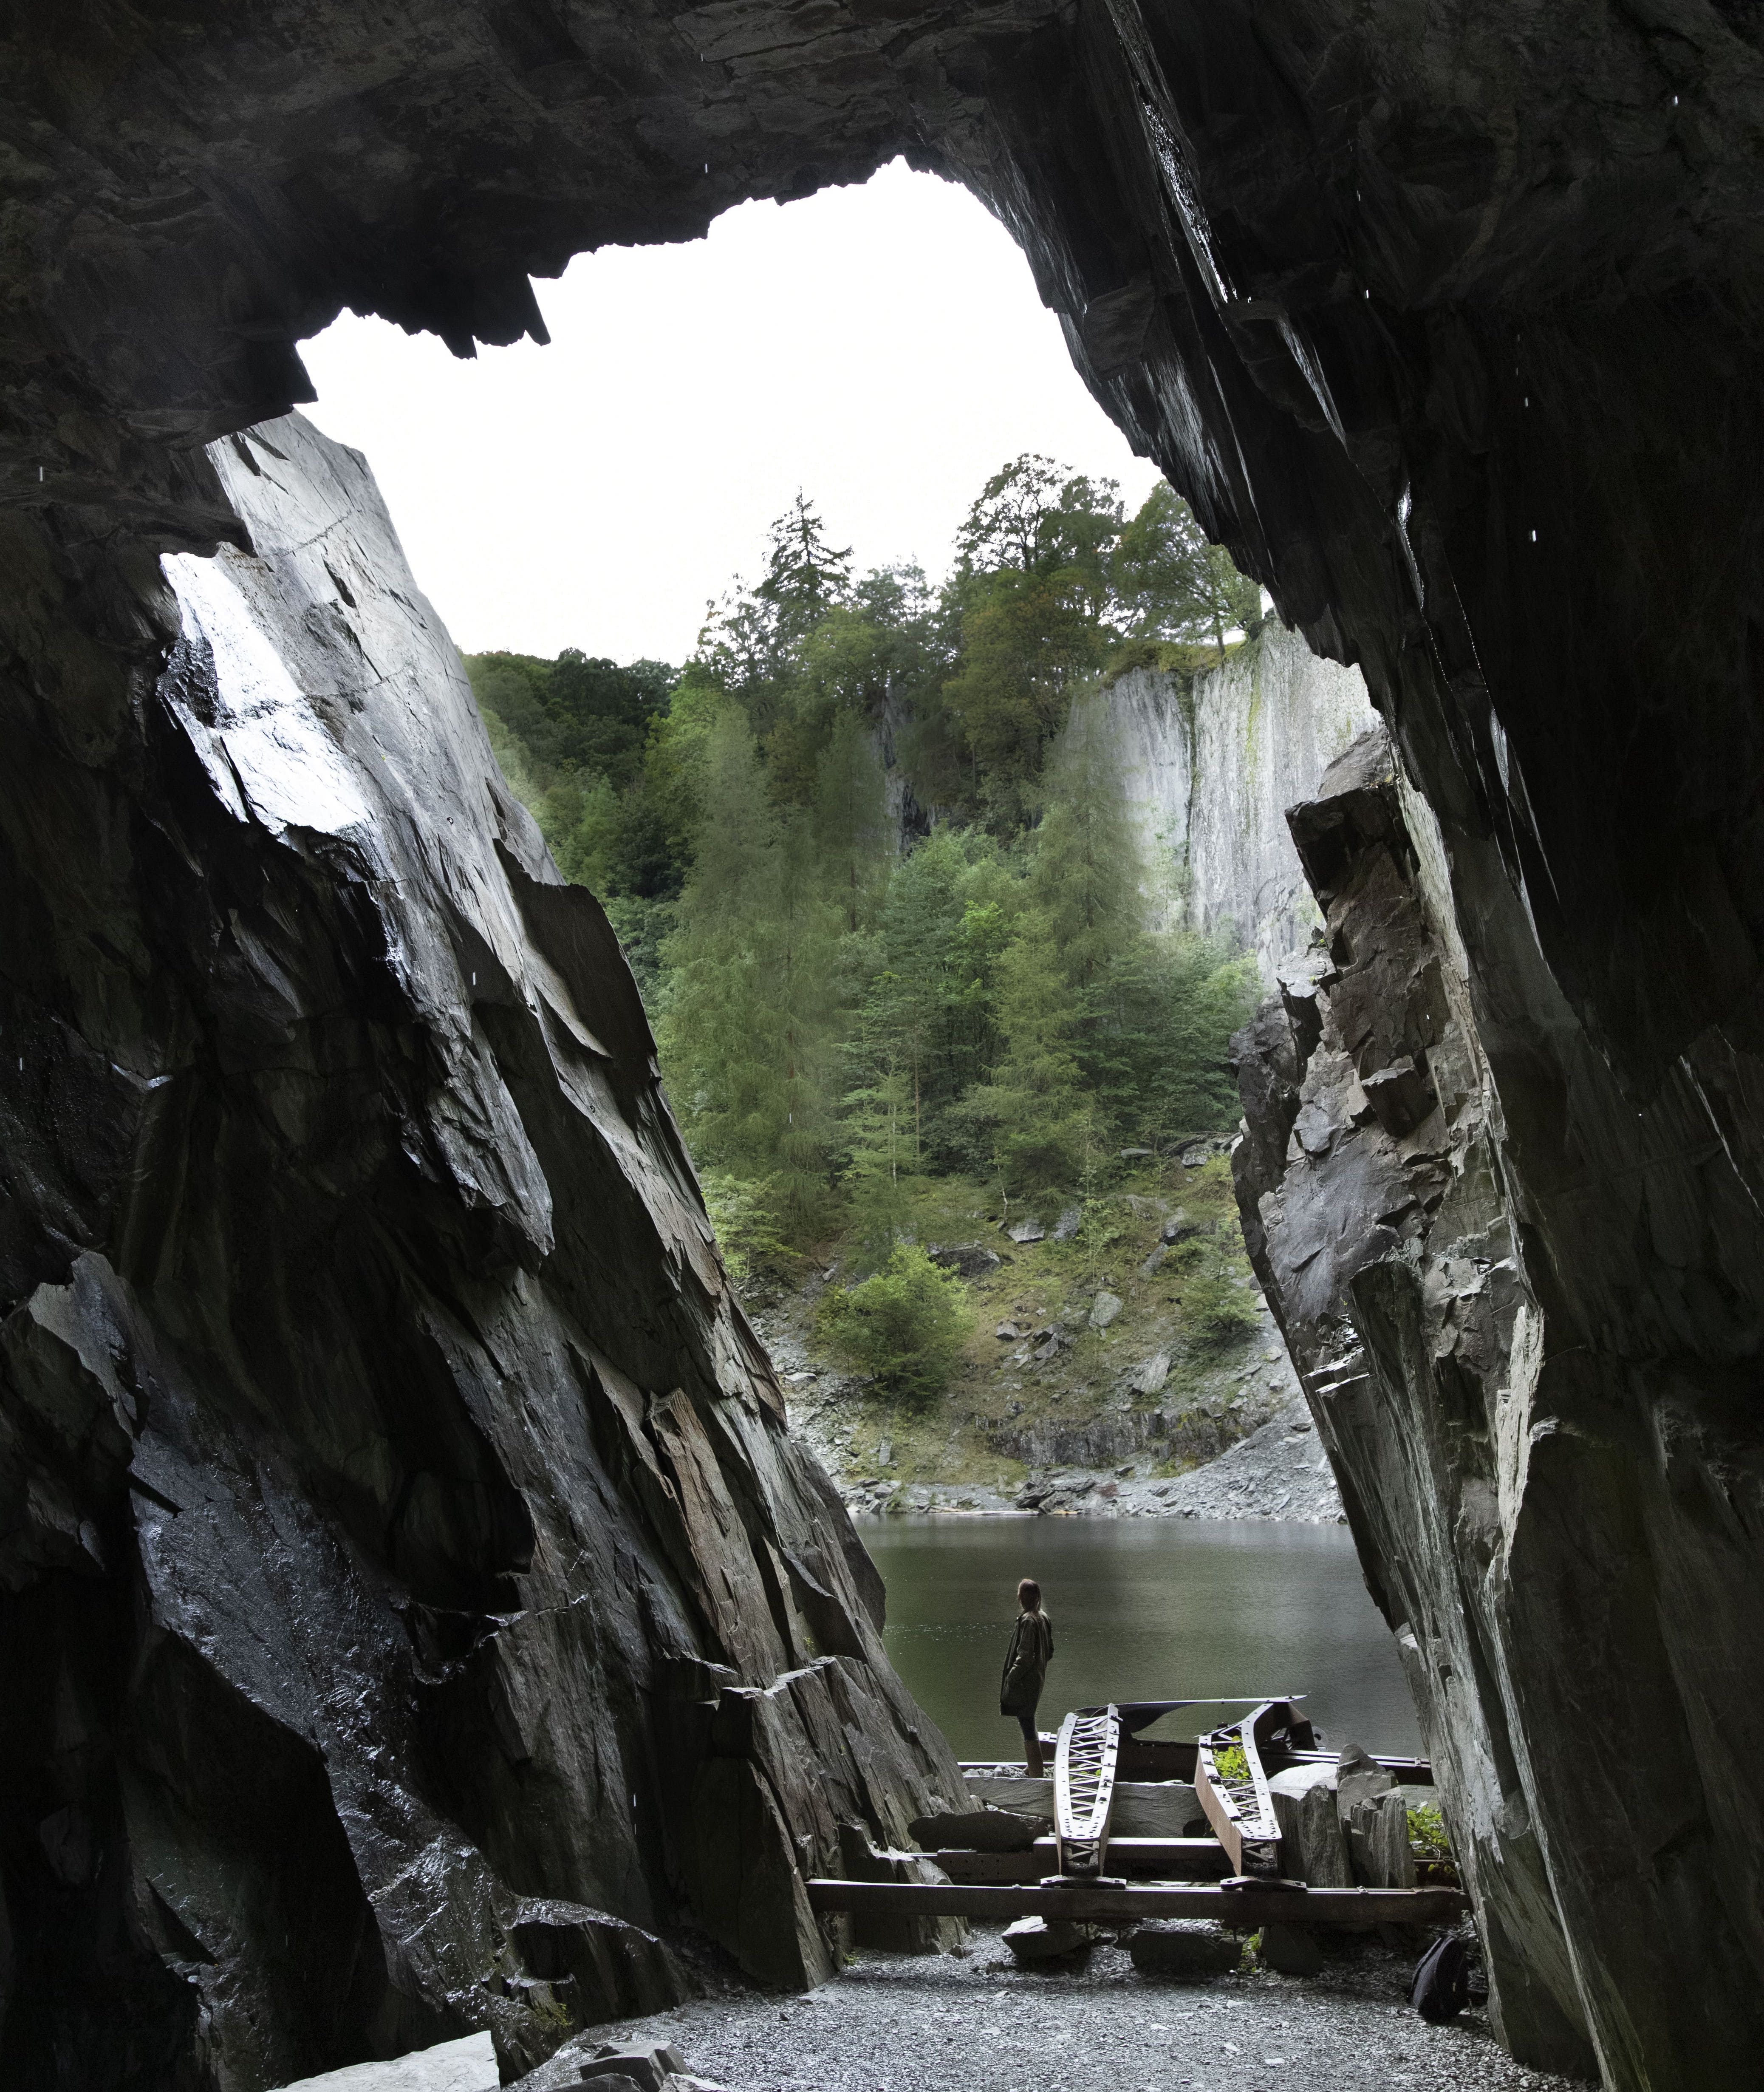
column 1211, row 763
column 1447, row 321
column 414, row 1605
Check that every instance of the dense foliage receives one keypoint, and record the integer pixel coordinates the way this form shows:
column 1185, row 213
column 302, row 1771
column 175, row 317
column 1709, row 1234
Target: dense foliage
column 904, row 1325
column 871, row 855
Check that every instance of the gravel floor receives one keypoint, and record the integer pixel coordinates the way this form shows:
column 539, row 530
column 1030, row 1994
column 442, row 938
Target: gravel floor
column 930, row 2023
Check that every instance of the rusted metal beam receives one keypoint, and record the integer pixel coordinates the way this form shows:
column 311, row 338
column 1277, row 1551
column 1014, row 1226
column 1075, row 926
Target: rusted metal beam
column 1408, row 1772
column 1252, row 1906
column 1084, row 1788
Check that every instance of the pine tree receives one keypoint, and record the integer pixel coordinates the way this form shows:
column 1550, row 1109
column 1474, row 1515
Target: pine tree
column 850, row 820
column 1087, row 875
column 745, row 1036
column 805, row 577
column 1041, row 1114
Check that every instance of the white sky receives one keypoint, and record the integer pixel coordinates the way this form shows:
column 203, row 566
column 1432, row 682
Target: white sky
column 882, row 347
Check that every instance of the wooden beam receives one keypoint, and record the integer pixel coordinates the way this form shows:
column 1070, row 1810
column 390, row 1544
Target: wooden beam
column 1083, row 1900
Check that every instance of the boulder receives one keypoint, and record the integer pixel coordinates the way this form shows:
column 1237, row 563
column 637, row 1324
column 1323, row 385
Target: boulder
column 1184, row 1951
column 1047, row 1939
column 614, row 2064
column 1149, row 1269
column 466, row 2065
column 1070, row 1219
column 1151, row 1376
column 1178, row 1227
column 1108, row 1306
column 1026, row 1231
column 862, row 1860
column 978, row 1831
column 967, row 1259
column 1359, row 1777
column 1313, row 1843
column 1377, row 1842
column 1291, row 1949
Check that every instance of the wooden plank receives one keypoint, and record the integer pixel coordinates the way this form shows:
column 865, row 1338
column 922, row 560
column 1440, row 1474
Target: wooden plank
column 1251, row 1837
column 1154, row 1859
column 1142, row 1900
column 1220, row 1809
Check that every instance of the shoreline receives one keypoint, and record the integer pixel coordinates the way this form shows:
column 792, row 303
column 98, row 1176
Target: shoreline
column 1277, row 1474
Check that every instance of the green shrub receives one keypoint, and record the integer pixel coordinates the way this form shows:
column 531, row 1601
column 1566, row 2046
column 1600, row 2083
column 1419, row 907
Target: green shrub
column 906, row 1325
column 1427, row 1833
column 1216, row 1309
column 745, row 1214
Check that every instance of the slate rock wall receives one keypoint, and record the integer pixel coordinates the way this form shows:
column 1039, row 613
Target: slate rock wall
column 1446, row 320
column 415, row 1616
column 1559, row 1548
column 1211, row 766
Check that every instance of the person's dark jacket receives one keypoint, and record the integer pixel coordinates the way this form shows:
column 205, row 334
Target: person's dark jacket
column 1025, row 1664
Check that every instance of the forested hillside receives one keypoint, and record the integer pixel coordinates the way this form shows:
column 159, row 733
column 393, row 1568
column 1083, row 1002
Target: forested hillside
column 868, row 853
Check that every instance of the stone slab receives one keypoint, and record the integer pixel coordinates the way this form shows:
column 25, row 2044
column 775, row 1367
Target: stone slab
column 1143, row 1808
column 466, row 2065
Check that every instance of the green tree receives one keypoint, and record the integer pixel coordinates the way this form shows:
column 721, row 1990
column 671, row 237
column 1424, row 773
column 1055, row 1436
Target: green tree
column 1042, row 1115
column 1170, row 584
column 882, row 1174
column 907, row 1325
column 746, row 1034
column 1027, row 641
column 1031, row 592
column 1087, row 872
column 1034, row 516
column 805, row 576
column 850, row 821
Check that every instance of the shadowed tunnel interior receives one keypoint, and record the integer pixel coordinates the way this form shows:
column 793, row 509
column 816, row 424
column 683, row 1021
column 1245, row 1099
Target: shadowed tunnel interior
column 389, row 1480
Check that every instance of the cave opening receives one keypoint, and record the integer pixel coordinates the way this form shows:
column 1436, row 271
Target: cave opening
column 339, row 1195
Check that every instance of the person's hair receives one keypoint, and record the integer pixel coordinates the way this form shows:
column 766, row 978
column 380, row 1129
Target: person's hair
column 1028, row 1595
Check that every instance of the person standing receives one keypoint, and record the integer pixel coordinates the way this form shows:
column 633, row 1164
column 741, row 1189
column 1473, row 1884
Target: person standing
column 1025, row 1669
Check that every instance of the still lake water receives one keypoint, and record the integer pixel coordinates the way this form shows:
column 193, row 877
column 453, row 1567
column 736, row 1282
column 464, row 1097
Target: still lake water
column 1146, row 1608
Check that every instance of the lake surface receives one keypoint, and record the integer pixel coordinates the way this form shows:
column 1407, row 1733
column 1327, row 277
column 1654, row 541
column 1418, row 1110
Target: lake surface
column 1142, row 1609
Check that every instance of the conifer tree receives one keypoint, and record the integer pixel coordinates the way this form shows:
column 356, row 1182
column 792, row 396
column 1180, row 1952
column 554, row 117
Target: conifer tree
column 745, row 1035
column 1043, row 1117
column 850, row 821
column 805, row 576
column 1087, row 875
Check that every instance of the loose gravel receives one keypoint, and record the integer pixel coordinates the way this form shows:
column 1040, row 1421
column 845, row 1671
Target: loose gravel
column 976, row 2023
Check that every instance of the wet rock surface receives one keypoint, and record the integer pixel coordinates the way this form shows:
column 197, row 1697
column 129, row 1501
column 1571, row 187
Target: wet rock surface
column 466, row 2065
column 416, row 1615
column 1416, row 1275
